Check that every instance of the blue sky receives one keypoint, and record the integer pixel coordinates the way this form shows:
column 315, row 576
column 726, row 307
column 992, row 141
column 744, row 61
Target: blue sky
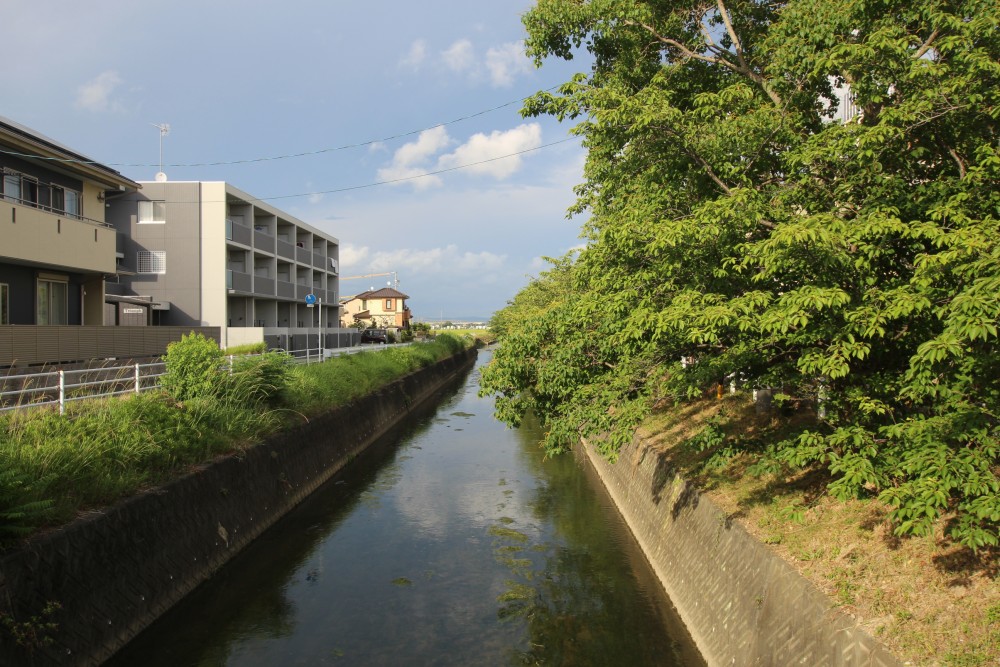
column 240, row 81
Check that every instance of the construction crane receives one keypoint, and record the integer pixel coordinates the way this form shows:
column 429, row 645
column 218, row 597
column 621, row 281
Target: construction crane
column 395, row 278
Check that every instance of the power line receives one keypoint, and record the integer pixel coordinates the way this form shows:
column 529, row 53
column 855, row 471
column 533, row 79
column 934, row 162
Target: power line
column 416, row 176
column 287, row 156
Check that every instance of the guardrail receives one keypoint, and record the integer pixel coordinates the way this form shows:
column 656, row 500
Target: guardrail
column 60, row 387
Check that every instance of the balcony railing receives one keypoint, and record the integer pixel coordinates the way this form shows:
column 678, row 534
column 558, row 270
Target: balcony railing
column 240, row 282
column 54, row 211
column 238, row 233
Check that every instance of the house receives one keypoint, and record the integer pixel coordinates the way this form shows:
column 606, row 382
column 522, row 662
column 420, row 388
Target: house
column 384, row 308
column 56, row 252
column 55, row 244
column 212, row 255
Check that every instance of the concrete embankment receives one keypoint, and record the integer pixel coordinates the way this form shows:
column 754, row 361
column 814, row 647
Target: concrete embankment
column 742, row 604
column 116, row 571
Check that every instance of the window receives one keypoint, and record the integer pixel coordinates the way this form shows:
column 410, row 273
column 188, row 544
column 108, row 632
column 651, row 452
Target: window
column 52, row 302
column 12, row 186
column 388, row 304
column 152, row 212
column 152, row 261
column 67, row 201
column 4, row 303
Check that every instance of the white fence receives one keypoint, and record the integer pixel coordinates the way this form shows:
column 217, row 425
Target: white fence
column 63, row 386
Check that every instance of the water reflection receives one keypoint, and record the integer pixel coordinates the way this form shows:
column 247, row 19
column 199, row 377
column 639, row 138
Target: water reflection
column 455, row 543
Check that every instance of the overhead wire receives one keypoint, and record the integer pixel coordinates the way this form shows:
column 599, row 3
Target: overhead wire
column 286, row 156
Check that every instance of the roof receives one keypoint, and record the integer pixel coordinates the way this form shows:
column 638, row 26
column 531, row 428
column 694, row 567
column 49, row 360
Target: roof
column 384, row 293
column 21, row 141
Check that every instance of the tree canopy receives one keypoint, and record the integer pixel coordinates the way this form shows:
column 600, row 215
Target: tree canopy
column 739, row 227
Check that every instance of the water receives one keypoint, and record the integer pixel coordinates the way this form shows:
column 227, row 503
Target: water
column 451, row 543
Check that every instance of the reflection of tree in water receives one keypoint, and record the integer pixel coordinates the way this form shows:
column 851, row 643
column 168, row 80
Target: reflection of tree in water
column 573, row 592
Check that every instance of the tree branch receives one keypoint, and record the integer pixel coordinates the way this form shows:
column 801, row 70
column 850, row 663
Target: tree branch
column 732, row 35
column 926, row 46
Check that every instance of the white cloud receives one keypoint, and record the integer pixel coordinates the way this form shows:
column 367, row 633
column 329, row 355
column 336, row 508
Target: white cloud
column 459, row 57
column 416, row 56
column 442, row 260
column 352, row 257
column 507, row 61
column 410, row 160
column 481, row 147
column 427, row 144
column 96, row 95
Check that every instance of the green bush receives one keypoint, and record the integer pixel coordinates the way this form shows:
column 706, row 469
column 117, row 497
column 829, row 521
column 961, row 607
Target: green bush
column 193, row 367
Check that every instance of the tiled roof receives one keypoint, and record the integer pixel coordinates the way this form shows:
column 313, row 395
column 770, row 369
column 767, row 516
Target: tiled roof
column 384, row 293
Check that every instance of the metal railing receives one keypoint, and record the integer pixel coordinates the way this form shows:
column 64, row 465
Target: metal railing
column 64, row 386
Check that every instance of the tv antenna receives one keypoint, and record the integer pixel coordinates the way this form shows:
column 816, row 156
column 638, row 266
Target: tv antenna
column 164, row 129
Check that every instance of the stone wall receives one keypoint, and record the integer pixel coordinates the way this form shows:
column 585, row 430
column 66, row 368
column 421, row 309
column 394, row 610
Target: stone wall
column 116, row 571
column 742, row 604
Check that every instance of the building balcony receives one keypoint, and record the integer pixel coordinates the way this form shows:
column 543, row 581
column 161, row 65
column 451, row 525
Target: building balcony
column 36, row 235
column 239, row 282
column 238, row 233
column 263, row 285
column 285, row 249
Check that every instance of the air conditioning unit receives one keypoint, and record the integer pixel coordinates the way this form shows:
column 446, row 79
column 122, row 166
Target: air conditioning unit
column 334, row 266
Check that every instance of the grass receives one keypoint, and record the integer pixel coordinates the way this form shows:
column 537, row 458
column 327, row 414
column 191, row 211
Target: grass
column 52, row 467
column 929, row 601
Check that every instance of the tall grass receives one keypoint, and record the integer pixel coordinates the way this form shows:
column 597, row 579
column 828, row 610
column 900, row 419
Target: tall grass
column 53, row 466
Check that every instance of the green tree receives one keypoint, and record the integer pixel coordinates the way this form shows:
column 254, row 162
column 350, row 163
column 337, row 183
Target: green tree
column 735, row 224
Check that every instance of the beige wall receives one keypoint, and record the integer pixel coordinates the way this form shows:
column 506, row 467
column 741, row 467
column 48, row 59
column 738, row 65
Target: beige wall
column 213, row 258
column 47, row 238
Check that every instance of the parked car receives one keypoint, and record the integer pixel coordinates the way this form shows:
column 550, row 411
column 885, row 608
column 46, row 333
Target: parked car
column 374, row 336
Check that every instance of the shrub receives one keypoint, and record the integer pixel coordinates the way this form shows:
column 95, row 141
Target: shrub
column 193, row 366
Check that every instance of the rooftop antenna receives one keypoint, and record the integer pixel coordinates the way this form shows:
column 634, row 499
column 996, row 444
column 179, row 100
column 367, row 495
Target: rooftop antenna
column 164, row 129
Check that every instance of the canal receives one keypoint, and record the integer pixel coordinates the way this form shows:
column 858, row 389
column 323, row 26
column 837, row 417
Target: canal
column 451, row 542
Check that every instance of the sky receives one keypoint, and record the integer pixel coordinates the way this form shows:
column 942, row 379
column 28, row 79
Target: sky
column 332, row 111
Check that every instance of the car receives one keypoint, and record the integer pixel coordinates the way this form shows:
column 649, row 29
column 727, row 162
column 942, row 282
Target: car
column 374, row 336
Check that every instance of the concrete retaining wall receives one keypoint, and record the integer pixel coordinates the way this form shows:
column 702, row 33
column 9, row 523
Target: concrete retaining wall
column 742, row 604
column 116, row 571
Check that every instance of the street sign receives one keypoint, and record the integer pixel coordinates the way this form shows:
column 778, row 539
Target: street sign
column 310, row 299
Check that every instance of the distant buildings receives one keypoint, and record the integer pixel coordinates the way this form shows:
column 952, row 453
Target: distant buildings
column 384, row 308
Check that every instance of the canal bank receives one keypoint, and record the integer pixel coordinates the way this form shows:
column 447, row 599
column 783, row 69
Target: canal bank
column 742, row 604
column 113, row 572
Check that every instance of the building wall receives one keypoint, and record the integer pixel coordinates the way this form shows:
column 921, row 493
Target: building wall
column 213, row 255
column 179, row 237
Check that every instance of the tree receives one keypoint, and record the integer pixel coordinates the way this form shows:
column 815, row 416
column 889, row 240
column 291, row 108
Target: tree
column 733, row 223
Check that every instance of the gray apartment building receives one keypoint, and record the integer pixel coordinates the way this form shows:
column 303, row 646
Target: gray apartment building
column 209, row 254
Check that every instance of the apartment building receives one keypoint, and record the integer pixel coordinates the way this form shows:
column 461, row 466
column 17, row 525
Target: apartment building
column 213, row 255
column 55, row 244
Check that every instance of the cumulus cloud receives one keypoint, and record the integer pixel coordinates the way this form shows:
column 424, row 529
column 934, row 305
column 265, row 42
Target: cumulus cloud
column 411, row 159
column 482, row 147
column 352, row 256
column 505, row 62
column 494, row 155
column 459, row 57
column 96, row 95
column 416, row 56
